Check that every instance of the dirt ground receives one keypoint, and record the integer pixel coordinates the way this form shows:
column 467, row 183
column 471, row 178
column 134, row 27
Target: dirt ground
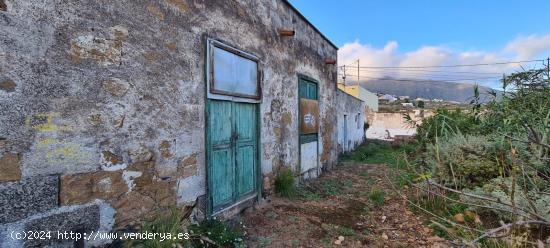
column 344, row 207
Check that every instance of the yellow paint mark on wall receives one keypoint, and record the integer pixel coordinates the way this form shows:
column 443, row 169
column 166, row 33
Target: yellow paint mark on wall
column 57, row 151
column 48, row 126
column 65, row 151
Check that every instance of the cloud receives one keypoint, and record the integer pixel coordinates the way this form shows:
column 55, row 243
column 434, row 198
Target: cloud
column 521, row 48
column 530, row 46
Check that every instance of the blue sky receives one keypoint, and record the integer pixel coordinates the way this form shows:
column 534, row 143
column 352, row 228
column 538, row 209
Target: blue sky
column 422, row 32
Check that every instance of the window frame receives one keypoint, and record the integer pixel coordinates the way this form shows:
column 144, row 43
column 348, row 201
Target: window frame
column 214, row 93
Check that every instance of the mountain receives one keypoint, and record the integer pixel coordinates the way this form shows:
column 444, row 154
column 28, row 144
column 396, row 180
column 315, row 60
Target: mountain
column 460, row 92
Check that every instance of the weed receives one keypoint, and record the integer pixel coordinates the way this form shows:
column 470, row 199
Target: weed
column 284, row 183
column 376, row 196
column 331, row 187
column 293, row 219
column 309, row 195
column 348, row 183
column 264, row 241
column 364, row 174
column 219, row 232
column 295, row 242
column 162, row 222
column 272, row 215
column 365, row 212
column 326, row 241
column 345, row 231
column 371, row 153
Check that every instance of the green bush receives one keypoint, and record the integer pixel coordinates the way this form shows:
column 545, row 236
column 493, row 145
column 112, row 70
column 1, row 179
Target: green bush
column 446, row 123
column 284, row 183
column 463, row 161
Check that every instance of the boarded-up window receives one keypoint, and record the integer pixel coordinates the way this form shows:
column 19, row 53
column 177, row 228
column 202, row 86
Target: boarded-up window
column 309, row 116
column 234, row 73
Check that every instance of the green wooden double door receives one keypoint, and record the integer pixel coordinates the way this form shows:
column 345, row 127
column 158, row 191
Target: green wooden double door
column 231, row 152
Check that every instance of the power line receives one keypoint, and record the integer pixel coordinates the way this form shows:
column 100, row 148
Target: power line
column 420, row 70
column 427, row 80
column 462, row 65
column 424, row 75
column 395, row 75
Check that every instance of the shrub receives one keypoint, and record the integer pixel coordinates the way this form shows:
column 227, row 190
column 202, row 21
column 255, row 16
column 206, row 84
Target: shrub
column 500, row 188
column 284, row 183
column 463, row 161
column 446, row 123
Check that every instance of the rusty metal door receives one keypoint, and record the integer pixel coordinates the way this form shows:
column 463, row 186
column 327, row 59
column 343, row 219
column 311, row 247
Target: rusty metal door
column 309, row 126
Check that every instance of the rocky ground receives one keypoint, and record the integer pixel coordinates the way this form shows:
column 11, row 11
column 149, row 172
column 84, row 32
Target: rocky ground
column 351, row 206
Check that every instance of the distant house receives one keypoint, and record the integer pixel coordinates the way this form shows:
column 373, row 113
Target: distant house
column 407, row 104
column 403, row 98
column 370, row 99
column 387, row 98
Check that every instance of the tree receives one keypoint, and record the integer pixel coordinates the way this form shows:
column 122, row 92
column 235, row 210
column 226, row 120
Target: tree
column 420, row 104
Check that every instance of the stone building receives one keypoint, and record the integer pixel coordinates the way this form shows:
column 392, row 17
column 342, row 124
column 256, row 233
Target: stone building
column 113, row 110
column 350, row 121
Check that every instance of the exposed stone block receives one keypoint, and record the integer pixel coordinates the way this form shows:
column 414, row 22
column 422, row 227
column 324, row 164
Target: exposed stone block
column 131, row 208
column 141, row 154
column 188, row 166
column 85, row 187
column 105, row 51
column 81, row 219
column 164, row 149
column 7, row 85
column 29, row 196
column 116, row 87
column 9, row 167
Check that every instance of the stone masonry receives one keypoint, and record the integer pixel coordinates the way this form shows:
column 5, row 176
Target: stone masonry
column 102, row 105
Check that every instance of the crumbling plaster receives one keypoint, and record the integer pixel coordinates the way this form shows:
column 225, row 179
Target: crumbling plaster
column 101, row 86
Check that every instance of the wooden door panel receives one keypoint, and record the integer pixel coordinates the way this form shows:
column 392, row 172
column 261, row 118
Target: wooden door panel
column 220, row 153
column 245, row 128
column 232, row 151
column 245, row 169
column 222, row 178
column 220, row 122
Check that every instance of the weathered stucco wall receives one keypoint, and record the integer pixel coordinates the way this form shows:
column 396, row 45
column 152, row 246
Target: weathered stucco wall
column 386, row 126
column 350, row 110
column 105, row 100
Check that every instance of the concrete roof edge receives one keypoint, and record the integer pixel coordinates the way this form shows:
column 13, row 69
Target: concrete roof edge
column 309, row 23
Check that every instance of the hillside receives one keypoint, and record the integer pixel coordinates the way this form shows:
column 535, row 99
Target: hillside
column 460, row 92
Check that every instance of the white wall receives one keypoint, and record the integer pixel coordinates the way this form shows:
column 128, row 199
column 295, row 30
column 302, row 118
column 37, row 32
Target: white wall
column 350, row 121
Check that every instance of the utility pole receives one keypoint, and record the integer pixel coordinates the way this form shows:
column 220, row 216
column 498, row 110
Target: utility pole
column 357, row 72
column 344, row 77
column 548, row 66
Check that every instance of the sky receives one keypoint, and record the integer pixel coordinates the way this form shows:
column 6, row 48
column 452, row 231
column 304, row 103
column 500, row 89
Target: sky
column 405, row 33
